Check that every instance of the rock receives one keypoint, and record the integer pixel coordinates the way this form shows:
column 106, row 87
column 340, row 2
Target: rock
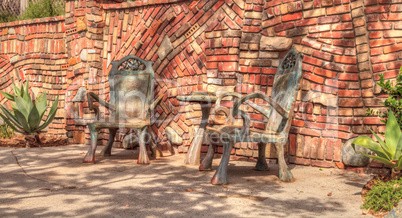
column 173, row 137
column 81, row 95
column 131, row 141
column 84, row 55
column 328, row 100
column 165, row 48
column 352, row 158
column 275, row 43
column 396, row 212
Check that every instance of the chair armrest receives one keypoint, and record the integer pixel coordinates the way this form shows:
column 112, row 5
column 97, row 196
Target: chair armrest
column 92, row 96
column 265, row 112
column 156, row 102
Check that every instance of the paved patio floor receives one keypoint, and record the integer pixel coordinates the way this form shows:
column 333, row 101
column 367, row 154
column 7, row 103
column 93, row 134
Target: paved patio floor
column 53, row 182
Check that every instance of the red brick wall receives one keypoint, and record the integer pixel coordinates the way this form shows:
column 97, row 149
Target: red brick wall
column 213, row 45
column 35, row 49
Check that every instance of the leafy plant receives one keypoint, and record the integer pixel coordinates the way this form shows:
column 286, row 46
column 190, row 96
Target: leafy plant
column 383, row 196
column 43, row 8
column 6, row 16
column 393, row 102
column 36, row 9
column 27, row 113
column 6, row 132
column 390, row 151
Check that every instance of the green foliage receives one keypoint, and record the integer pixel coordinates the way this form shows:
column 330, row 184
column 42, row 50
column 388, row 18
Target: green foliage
column 383, row 196
column 6, row 16
column 393, row 102
column 43, row 8
column 37, row 9
column 6, row 132
column 27, row 113
column 389, row 152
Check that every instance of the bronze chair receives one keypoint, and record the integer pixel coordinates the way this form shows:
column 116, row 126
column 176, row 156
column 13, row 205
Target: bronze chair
column 131, row 82
column 284, row 90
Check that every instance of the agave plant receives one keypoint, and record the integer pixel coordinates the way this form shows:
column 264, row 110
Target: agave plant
column 388, row 152
column 27, row 112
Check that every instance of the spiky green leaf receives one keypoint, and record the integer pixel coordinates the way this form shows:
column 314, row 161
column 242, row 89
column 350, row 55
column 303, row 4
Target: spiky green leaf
column 10, row 116
column 8, row 96
column 382, row 143
column 24, row 106
column 10, row 124
column 380, row 159
column 34, row 119
column 41, row 104
column 52, row 114
column 17, row 91
column 399, row 164
column 367, row 142
column 27, row 87
column 22, row 121
column 398, row 150
column 392, row 134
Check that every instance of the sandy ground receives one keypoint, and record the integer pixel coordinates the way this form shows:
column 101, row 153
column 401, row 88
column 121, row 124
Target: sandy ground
column 53, row 182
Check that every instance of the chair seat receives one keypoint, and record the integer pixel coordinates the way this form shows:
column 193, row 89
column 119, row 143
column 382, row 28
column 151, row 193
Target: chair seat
column 256, row 135
column 113, row 123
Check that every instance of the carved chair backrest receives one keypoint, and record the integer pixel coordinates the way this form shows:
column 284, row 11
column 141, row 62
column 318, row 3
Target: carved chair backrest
column 284, row 90
column 131, row 83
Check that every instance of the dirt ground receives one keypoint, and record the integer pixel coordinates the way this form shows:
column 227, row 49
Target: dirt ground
column 52, row 181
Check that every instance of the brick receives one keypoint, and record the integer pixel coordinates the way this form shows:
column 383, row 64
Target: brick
column 348, row 77
column 383, row 58
column 376, row 9
column 392, row 48
column 338, row 9
column 379, row 26
column 323, row 164
column 345, row 59
column 350, row 102
column 328, row 19
column 381, row 42
column 284, row 26
column 325, row 73
column 349, row 93
column 322, row 55
column 290, row 17
column 314, row 13
column 392, row 33
column 313, row 61
column 314, row 78
column 306, row 22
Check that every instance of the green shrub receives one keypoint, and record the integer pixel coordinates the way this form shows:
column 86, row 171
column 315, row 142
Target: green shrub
column 383, row 196
column 27, row 112
column 6, row 132
column 38, row 9
column 388, row 152
column 43, row 8
column 6, row 16
column 393, row 102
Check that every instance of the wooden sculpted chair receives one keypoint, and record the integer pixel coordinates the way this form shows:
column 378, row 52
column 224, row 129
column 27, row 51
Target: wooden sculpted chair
column 131, row 82
column 284, row 90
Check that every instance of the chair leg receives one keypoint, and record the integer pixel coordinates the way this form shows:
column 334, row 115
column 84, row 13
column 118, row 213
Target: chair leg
column 220, row 176
column 107, row 151
column 156, row 151
column 206, row 163
column 90, row 156
column 143, row 155
column 284, row 172
column 261, row 162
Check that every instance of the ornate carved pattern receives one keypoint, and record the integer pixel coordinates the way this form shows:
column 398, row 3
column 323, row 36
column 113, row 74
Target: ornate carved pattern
column 289, row 62
column 131, row 65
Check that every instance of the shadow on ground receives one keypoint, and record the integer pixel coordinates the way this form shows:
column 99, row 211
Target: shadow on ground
column 53, row 182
